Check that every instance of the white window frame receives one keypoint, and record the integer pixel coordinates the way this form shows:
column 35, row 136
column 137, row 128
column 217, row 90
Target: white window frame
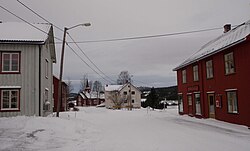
column 196, row 73
column 184, row 76
column 180, row 100
column 229, row 63
column 9, row 97
column 10, row 63
column 209, row 69
column 197, row 103
column 232, row 102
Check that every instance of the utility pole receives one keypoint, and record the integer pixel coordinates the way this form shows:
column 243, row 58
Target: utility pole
column 61, row 67
column 60, row 78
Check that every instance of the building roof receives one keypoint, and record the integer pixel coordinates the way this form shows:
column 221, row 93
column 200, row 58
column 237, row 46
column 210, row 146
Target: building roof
column 113, row 87
column 226, row 40
column 19, row 32
column 118, row 87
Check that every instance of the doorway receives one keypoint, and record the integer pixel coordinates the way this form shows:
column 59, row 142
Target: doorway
column 211, row 105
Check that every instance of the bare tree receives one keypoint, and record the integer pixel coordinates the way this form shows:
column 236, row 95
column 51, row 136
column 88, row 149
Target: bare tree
column 124, row 78
column 97, row 86
column 70, row 87
column 116, row 99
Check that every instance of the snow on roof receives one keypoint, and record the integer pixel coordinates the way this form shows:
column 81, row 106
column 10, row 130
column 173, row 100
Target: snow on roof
column 113, row 87
column 226, row 40
column 23, row 32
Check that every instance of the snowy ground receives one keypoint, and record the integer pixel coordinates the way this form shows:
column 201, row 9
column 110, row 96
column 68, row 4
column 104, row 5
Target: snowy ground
column 100, row 129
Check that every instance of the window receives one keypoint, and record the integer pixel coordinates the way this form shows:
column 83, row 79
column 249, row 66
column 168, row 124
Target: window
column 209, row 69
column 184, row 76
column 46, row 68
column 180, row 99
column 10, row 99
column 125, row 93
column 133, row 101
column 232, row 103
column 197, row 98
column 10, row 62
column 229, row 63
column 196, row 73
column 133, row 92
column 46, row 106
column 189, row 100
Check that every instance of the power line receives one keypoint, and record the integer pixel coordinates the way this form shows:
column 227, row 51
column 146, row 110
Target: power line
column 147, row 37
column 68, row 35
column 88, row 64
column 89, row 58
column 39, row 15
column 27, row 22
column 23, row 19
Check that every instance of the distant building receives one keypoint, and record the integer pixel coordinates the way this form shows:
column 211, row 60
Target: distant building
column 26, row 67
column 119, row 96
column 90, row 98
column 64, row 106
column 214, row 82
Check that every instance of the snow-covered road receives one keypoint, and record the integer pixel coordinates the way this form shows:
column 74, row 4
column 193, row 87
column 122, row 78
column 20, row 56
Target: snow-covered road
column 100, row 129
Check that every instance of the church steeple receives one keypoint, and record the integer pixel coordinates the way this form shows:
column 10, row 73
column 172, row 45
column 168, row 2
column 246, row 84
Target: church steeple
column 87, row 88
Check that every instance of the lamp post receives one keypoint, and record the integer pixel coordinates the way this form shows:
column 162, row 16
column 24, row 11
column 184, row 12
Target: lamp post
column 61, row 67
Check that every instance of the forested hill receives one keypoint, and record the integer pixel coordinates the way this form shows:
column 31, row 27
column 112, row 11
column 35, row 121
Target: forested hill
column 170, row 93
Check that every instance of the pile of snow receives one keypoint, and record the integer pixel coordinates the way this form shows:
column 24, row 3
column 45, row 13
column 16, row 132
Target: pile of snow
column 100, row 129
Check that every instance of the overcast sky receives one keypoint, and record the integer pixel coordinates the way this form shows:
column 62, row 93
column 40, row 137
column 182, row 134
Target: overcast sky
column 151, row 60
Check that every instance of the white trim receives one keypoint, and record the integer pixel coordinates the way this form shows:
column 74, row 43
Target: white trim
column 189, row 93
column 210, row 92
column 10, row 87
column 180, row 93
column 231, row 90
column 197, row 92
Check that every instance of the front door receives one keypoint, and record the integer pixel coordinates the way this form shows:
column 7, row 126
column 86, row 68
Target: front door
column 190, row 105
column 211, row 106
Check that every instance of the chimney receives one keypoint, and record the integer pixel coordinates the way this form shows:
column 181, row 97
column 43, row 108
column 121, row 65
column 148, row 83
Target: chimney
column 227, row 27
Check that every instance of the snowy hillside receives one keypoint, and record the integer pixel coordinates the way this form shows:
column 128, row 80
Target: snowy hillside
column 99, row 129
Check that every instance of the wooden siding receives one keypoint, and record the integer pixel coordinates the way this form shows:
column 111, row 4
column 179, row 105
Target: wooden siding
column 28, row 79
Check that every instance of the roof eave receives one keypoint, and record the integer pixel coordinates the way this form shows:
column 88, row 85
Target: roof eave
column 21, row 42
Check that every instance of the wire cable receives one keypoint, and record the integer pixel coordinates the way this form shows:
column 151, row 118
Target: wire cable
column 88, row 64
column 68, row 35
column 89, row 58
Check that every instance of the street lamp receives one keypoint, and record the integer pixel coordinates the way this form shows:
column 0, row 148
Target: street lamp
column 61, row 67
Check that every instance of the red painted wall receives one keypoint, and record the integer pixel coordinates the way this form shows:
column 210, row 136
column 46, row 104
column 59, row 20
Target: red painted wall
column 55, row 94
column 239, row 80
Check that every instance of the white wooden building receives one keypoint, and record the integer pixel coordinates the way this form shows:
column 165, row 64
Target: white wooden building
column 27, row 55
column 122, row 94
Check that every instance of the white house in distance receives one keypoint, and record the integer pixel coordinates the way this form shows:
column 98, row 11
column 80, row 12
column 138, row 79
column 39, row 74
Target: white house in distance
column 26, row 78
column 119, row 95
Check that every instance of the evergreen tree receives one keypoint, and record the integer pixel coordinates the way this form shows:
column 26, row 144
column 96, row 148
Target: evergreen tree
column 152, row 99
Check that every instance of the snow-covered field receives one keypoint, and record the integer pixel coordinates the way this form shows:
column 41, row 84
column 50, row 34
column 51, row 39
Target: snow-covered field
column 100, row 129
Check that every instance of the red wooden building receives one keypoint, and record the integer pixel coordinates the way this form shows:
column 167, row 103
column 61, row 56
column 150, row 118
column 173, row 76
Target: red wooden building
column 55, row 94
column 214, row 82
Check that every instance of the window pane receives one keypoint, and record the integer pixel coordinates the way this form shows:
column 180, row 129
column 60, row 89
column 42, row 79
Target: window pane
column 180, row 103
column 6, row 62
column 15, row 61
column 232, row 102
column 184, row 76
column 14, row 99
column 229, row 63
column 195, row 73
column 209, row 69
column 197, row 104
column 5, row 99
